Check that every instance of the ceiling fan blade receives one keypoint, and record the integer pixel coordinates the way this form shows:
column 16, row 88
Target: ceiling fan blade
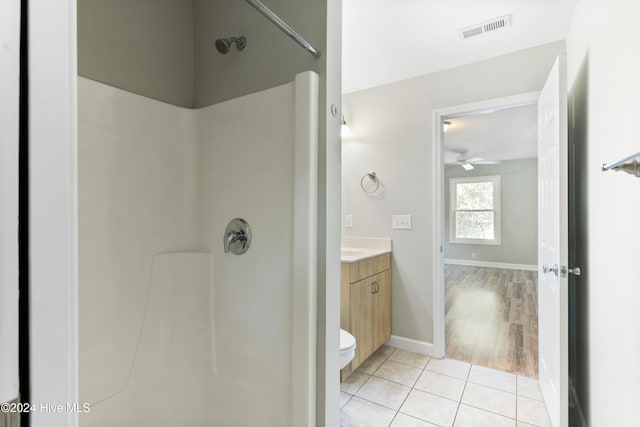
column 474, row 160
column 465, row 165
column 488, row 162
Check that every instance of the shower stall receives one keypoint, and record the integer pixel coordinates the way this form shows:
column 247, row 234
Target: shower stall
column 194, row 117
column 173, row 330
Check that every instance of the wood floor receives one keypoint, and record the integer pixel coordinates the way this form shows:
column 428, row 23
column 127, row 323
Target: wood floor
column 492, row 318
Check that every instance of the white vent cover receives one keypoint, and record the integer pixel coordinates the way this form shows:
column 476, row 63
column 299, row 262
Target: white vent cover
column 485, row 27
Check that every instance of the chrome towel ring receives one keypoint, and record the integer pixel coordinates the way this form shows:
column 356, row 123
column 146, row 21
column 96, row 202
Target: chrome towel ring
column 370, row 183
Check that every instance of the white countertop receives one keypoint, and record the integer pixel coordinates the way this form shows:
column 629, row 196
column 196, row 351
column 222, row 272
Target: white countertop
column 356, row 249
column 349, row 255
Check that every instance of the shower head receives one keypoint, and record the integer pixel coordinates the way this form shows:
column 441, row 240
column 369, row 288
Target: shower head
column 223, row 45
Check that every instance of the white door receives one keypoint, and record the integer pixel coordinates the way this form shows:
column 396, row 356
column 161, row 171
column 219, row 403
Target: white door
column 9, row 95
column 553, row 244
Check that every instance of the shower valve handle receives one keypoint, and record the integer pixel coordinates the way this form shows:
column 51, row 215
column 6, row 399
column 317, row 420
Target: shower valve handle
column 237, row 237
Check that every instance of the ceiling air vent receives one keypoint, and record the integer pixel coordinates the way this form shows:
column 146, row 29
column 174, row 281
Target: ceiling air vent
column 485, row 27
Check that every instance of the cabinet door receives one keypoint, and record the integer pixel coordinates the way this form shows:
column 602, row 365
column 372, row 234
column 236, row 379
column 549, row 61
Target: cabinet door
column 362, row 318
column 382, row 308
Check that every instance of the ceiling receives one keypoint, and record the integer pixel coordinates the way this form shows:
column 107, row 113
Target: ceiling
column 390, row 40
column 502, row 135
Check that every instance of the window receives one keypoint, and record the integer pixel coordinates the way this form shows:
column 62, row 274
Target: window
column 475, row 210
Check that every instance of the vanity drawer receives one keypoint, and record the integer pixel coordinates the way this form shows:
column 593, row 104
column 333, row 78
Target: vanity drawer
column 368, row 267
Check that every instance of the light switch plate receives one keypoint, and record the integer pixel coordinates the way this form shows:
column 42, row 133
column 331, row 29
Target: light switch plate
column 348, row 221
column 401, row 222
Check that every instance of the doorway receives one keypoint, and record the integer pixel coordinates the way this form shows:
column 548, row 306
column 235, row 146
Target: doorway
column 490, row 241
column 438, row 178
column 442, row 187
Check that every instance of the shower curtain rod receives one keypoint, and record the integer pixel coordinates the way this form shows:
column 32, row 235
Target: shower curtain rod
column 629, row 164
column 264, row 10
column 612, row 165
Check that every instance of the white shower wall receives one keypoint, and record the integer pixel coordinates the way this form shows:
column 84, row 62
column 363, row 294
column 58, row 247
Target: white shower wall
column 173, row 331
column 253, row 291
column 137, row 180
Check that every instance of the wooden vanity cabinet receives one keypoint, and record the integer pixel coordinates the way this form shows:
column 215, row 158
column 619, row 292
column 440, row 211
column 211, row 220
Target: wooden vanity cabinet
column 382, row 309
column 365, row 306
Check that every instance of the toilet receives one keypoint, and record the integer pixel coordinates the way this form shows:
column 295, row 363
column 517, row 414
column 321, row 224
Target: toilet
column 347, row 348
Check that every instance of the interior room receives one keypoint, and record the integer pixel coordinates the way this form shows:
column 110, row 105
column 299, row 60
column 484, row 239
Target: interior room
column 485, row 366
column 505, row 144
column 257, row 213
column 490, row 245
column 490, row 282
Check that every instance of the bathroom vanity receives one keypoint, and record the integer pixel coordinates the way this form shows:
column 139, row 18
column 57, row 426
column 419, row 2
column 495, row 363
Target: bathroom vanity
column 365, row 295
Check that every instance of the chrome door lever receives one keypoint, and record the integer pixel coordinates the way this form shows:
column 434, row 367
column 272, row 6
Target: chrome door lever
column 564, row 271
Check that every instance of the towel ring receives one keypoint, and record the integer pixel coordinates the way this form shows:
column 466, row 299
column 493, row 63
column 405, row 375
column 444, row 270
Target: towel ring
column 373, row 178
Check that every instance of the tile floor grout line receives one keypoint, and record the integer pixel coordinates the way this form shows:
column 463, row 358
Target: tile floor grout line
column 447, row 375
column 348, row 400
column 436, row 395
column 362, row 385
column 394, row 417
column 376, row 403
column 395, row 382
column 490, row 411
column 413, row 387
column 404, row 364
column 466, row 381
column 492, row 388
column 516, row 400
column 410, row 389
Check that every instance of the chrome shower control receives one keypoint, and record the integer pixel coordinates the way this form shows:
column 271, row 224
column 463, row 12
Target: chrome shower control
column 237, row 237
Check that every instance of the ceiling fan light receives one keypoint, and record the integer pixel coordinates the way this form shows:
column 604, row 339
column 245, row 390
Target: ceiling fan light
column 467, row 166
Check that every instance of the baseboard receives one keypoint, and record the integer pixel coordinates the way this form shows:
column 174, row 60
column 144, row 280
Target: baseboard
column 506, row 265
column 415, row 346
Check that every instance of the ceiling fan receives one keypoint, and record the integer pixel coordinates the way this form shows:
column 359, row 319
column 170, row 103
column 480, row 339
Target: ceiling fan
column 465, row 160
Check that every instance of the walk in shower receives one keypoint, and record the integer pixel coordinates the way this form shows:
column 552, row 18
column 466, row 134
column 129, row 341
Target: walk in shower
column 174, row 329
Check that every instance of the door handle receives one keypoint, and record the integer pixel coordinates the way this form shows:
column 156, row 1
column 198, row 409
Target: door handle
column 549, row 269
column 575, row 271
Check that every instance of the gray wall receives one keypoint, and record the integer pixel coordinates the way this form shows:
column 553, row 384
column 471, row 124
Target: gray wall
column 164, row 49
column 519, row 214
column 393, row 135
column 270, row 58
column 142, row 46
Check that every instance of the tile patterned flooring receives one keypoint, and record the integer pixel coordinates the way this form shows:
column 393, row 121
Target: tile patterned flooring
column 401, row 389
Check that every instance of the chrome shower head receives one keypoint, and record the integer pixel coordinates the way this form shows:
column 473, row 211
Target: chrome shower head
column 223, row 45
